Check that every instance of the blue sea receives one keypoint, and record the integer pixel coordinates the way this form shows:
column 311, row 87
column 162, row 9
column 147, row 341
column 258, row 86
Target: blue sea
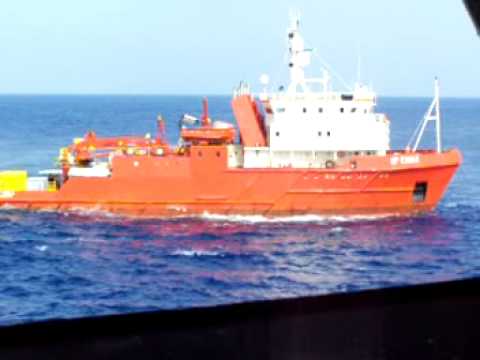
column 64, row 265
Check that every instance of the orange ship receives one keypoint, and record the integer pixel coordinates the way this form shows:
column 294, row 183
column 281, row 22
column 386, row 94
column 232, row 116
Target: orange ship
column 307, row 152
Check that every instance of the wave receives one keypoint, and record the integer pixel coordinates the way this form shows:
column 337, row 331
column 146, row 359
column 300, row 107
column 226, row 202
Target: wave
column 337, row 230
column 451, row 205
column 100, row 213
column 195, row 253
column 90, row 212
column 41, row 248
column 292, row 219
column 7, row 207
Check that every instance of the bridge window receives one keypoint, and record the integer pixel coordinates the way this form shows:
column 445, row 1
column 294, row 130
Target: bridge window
column 277, row 133
column 347, row 97
column 319, row 133
column 342, row 110
column 304, row 110
column 328, row 133
column 320, row 110
column 354, row 109
column 280, row 110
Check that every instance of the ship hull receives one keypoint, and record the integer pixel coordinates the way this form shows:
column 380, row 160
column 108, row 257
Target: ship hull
column 398, row 183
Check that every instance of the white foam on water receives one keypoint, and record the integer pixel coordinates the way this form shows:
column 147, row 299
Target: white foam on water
column 41, row 248
column 451, row 205
column 192, row 253
column 291, row 219
column 46, row 210
column 7, row 207
column 262, row 218
column 92, row 240
column 91, row 212
column 337, row 230
column 234, row 218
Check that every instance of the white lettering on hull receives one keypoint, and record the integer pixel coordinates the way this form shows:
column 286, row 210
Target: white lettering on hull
column 405, row 160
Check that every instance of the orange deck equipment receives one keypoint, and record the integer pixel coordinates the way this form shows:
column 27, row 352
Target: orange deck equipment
column 250, row 121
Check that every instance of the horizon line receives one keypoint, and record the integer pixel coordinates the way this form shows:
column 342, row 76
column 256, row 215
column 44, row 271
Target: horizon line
column 208, row 95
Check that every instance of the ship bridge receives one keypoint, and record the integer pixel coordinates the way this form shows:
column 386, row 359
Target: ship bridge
column 309, row 124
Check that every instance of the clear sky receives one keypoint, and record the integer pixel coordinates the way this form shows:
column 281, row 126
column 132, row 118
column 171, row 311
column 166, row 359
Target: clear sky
column 207, row 47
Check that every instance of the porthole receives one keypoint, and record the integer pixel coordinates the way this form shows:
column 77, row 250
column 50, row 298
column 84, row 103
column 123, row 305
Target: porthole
column 277, row 133
column 319, row 133
column 320, row 110
column 218, row 153
column 328, row 133
column 200, row 154
column 342, row 110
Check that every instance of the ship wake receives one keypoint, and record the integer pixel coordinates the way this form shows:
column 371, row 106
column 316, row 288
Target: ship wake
column 307, row 218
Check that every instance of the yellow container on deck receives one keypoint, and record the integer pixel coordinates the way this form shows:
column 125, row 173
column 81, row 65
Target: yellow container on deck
column 13, row 181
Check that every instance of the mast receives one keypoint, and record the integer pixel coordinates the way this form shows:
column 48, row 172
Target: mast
column 433, row 114
column 299, row 56
column 299, row 59
column 438, row 120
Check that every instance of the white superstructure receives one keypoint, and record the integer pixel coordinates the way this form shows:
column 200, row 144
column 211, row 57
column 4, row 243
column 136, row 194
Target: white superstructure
column 309, row 124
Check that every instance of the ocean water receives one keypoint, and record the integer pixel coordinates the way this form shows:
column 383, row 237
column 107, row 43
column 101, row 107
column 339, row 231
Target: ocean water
column 63, row 265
